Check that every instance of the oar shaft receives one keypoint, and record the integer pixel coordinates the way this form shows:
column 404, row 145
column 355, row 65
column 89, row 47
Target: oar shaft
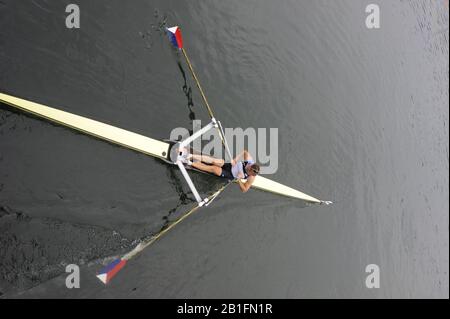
column 211, row 114
column 208, row 107
column 154, row 238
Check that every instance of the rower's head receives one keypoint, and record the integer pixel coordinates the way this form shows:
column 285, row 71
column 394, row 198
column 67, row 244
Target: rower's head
column 252, row 169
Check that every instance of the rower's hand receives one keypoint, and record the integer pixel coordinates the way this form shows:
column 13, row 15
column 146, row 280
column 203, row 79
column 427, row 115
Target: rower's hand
column 233, row 162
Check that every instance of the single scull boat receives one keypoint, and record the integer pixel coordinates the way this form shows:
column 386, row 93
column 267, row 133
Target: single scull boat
column 167, row 151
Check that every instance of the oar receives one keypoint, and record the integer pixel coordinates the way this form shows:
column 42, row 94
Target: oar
column 174, row 34
column 108, row 272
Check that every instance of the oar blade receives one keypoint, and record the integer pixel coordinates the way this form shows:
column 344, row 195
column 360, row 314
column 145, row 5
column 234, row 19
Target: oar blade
column 107, row 273
column 174, row 34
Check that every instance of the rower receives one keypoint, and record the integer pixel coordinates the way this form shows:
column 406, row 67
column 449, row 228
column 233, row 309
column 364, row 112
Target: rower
column 236, row 170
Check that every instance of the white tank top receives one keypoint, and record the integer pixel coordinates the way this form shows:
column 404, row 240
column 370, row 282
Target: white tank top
column 238, row 169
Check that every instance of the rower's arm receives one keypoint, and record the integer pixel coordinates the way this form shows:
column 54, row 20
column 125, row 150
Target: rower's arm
column 247, row 156
column 245, row 186
column 238, row 157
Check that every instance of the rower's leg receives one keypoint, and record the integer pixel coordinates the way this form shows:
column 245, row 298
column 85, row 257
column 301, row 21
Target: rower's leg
column 208, row 159
column 216, row 170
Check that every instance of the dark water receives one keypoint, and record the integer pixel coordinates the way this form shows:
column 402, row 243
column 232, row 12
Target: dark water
column 362, row 117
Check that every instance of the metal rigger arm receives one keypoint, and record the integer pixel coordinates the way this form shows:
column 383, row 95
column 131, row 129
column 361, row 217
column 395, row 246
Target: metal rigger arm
column 179, row 161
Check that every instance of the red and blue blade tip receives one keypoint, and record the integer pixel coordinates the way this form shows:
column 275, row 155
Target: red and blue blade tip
column 107, row 273
column 174, row 34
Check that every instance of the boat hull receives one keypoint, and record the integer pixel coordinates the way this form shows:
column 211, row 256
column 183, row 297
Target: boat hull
column 131, row 140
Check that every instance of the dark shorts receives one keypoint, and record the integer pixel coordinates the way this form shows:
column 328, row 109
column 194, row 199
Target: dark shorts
column 226, row 171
